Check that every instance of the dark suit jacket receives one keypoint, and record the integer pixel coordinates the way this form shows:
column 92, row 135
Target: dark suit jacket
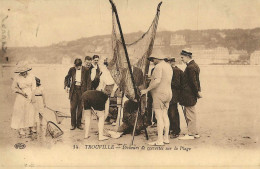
column 190, row 85
column 177, row 78
column 95, row 82
column 85, row 80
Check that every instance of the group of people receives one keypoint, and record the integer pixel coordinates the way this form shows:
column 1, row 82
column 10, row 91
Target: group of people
column 90, row 88
column 169, row 86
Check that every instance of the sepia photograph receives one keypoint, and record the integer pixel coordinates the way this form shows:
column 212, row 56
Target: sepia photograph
column 130, row 83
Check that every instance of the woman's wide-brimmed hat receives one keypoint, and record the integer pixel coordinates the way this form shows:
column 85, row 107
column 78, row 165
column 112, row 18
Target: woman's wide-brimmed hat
column 22, row 66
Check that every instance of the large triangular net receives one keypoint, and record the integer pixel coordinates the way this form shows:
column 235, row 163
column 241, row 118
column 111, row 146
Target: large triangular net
column 138, row 51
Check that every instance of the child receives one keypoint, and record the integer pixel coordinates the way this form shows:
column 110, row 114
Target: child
column 40, row 103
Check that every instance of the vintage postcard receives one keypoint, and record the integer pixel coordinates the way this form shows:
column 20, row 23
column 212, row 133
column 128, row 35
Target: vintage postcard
column 130, row 83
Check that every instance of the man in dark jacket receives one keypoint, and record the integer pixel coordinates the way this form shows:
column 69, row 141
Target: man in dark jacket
column 94, row 70
column 190, row 93
column 173, row 112
column 76, row 82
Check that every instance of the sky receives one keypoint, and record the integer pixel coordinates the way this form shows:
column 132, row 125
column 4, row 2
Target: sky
column 46, row 22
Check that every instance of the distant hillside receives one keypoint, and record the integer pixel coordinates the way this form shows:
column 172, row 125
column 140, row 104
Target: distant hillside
column 170, row 43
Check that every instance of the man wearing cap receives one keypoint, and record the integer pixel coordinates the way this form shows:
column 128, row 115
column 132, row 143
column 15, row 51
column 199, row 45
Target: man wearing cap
column 160, row 87
column 77, row 81
column 173, row 108
column 189, row 94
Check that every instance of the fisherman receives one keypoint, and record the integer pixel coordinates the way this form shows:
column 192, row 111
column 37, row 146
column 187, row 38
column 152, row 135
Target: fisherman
column 97, row 100
column 160, row 87
column 130, row 109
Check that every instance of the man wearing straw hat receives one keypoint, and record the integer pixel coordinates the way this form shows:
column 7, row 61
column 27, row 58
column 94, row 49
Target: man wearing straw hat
column 189, row 94
column 160, row 87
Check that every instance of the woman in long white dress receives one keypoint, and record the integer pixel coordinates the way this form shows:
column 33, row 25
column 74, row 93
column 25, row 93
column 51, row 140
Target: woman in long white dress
column 24, row 84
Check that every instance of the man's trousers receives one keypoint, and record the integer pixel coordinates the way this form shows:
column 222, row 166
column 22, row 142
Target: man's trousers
column 76, row 107
column 174, row 118
column 190, row 115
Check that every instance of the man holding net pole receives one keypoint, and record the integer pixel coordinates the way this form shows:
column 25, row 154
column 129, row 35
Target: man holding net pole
column 160, row 87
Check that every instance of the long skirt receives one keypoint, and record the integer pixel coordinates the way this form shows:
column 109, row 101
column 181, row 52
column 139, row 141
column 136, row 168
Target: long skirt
column 23, row 113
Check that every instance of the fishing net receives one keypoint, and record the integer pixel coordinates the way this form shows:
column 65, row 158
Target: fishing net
column 138, row 52
column 53, row 130
column 60, row 116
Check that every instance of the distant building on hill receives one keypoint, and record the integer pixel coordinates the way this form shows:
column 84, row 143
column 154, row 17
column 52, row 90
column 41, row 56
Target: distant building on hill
column 238, row 57
column 219, row 55
column 177, row 40
column 239, row 52
column 233, row 57
column 255, row 58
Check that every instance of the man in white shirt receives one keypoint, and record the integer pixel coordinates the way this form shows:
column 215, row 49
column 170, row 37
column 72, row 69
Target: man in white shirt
column 78, row 76
column 160, row 87
column 76, row 82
